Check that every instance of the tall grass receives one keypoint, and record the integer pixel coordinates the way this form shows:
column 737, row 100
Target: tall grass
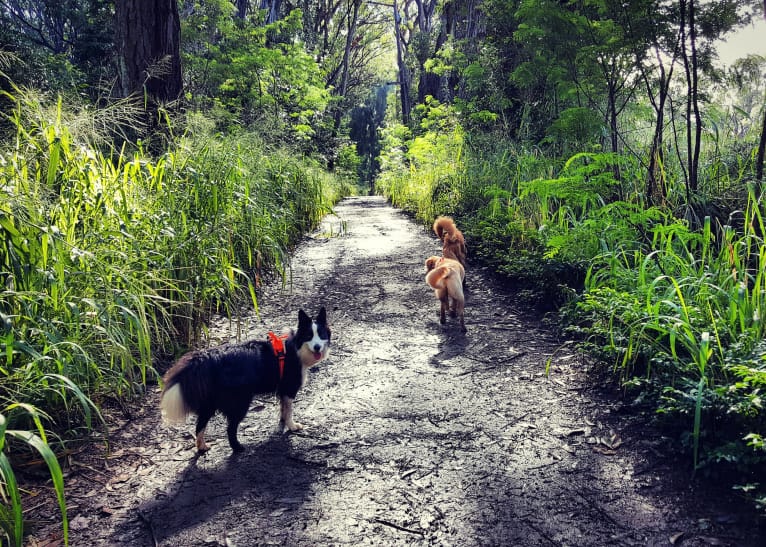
column 11, row 517
column 689, row 325
column 237, row 209
column 112, row 260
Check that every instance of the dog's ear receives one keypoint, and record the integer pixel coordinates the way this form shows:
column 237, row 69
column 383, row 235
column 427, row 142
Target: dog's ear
column 303, row 318
column 322, row 315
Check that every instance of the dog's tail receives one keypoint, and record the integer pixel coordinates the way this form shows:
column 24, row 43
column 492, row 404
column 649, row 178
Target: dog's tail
column 445, row 227
column 440, row 276
column 172, row 405
column 183, row 389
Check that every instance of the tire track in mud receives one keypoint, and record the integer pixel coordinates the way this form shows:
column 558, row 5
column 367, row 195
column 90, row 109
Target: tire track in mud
column 416, row 434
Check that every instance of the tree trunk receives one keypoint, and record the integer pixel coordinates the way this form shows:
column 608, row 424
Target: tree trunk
column 428, row 82
column 447, row 31
column 656, row 187
column 272, row 8
column 148, row 43
column 242, row 7
column 405, row 81
column 688, row 122
column 762, row 144
column 352, row 22
column 655, row 191
column 694, row 167
column 693, row 117
column 613, row 126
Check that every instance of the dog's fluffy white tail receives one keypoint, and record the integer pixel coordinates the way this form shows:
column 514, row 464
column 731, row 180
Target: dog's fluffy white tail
column 172, row 406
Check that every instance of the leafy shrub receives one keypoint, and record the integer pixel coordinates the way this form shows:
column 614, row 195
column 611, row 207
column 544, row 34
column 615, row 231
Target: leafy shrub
column 680, row 318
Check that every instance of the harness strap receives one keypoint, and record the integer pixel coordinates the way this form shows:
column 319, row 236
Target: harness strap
column 278, row 345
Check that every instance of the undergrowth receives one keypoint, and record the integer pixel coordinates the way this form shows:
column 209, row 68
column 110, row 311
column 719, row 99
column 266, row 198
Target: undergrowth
column 112, row 259
column 669, row 299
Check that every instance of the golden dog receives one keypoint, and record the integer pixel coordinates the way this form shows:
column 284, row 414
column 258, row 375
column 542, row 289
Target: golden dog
column 445, row 276
column 453, row 242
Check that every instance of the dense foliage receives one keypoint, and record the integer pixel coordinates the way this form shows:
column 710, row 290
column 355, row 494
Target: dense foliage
column 127, row 221
column 673, row 313
column 595, row 154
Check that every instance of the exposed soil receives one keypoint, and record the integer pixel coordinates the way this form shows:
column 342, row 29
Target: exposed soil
column 416, row 434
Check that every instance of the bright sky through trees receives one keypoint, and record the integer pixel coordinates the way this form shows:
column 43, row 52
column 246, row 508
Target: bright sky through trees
column 746, row 41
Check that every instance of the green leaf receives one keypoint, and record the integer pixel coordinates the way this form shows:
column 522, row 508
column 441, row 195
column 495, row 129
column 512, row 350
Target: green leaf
column 53, row 467
column 7, row 224
column 11, row 489
column 85, row 402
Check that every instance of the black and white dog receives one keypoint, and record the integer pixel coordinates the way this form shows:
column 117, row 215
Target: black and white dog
column 227, row 378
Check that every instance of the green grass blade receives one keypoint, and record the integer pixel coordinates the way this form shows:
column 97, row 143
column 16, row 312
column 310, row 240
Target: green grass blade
column 697, row 422
column 85, row 402
column 54, row 469
column 11, row 489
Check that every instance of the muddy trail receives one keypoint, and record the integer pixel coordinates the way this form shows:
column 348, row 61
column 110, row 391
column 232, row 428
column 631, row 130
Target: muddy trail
column 416, row 434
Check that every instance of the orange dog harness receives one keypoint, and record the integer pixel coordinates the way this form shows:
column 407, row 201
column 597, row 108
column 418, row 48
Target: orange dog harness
column 278, row 345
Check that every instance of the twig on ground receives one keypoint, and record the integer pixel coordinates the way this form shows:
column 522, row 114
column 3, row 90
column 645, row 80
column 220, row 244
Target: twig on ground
column 398, row 527
column 543, row 534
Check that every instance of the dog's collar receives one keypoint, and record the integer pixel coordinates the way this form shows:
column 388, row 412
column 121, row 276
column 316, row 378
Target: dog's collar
column 278, row 345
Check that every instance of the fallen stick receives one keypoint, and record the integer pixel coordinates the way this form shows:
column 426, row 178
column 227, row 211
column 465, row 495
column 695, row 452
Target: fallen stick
column 402, row 528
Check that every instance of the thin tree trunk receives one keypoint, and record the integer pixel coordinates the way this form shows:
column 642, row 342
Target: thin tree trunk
column 404, row 73
column 352, row 22
column 761, row 153
column 428, row 82
column 762, row 144
column 694, row 168
column 242, row 6
column 272, row 8
column 613, row 126
column 655, row 187
column 687, row 69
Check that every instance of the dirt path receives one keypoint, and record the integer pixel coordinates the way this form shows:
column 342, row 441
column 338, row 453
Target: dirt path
column 416, row 434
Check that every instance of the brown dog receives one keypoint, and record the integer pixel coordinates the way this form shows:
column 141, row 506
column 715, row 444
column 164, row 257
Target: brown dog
column 453, row 242
column 445, row 276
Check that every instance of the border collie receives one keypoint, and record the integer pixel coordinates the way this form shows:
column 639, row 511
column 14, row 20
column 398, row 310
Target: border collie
column 226, row 378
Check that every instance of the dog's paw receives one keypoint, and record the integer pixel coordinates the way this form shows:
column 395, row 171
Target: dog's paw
column 202, row 447
column 294, row 426
column 200, row 443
